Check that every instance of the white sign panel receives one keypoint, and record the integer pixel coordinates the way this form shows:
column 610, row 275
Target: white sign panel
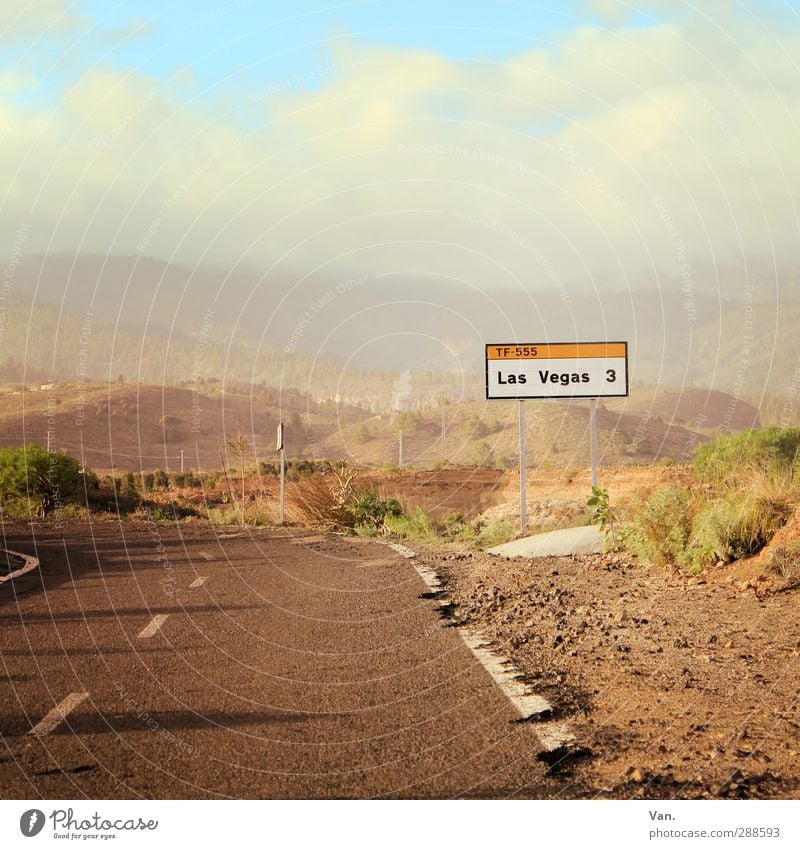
column 557, row 370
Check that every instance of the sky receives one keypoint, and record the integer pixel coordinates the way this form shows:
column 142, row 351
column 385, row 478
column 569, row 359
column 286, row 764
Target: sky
column 552, row 147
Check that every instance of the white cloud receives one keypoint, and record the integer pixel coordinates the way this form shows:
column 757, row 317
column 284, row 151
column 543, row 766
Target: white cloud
column 390, row 158
column 26, row 20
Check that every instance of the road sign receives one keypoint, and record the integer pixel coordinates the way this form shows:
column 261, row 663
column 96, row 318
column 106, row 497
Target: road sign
column 556, row 370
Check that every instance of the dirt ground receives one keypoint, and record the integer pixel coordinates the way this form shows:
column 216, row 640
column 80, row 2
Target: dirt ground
column 674, row 687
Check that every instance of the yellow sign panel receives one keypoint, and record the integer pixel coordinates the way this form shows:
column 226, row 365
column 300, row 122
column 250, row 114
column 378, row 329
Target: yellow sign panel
column 557, row 370
column 556, row 350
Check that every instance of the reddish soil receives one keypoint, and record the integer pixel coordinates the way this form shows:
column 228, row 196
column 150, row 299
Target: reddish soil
column 471, row 491
column 146, row 427
column 674, row 687
column 703, row 409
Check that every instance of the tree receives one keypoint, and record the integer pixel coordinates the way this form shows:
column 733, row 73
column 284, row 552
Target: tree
column 46, row 478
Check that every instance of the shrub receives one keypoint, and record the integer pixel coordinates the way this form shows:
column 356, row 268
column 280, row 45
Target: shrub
column 208, row 480
column 451, row 526
column 259, row 513
column 784, row 561
column 312, row 500
column 71, row 511
column 223, row 517
column 729, row 458
column 369, row 509
column 601, row 502
column 297, row 468
column 659, row 533
column 568, row 475
column 734, row 527
column 487, row 534
column 415, row 525
column 45, row 478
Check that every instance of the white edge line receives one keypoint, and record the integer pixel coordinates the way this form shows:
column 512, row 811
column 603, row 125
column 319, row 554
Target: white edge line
column 155, row 623
column 552, row 735
column 58, row 714
column 30, row 563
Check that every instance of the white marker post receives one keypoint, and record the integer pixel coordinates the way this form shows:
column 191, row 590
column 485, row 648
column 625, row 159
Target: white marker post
column 567, row 370
column 281, row 450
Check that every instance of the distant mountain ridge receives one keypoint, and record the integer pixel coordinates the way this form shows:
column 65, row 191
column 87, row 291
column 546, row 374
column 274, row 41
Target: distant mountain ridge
column 354, row 337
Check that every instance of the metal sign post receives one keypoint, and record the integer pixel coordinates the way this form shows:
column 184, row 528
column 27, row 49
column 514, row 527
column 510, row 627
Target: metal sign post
column 566, row 370
column 282, row 452
column 593, row 437
column 523, row 505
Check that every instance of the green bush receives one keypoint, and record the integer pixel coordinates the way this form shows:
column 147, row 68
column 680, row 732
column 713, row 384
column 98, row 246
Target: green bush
column 727, row 459
column 415, row 525
column 296, row 469
column 659, row 533
column 734, row 527
column 184, row 480
column 34, row 478
column 223, row 517
column 208, row 480
column 370, row 510
column 488, row 534
column 17, row 507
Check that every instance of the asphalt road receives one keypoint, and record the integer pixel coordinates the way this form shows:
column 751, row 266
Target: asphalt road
column 266, row 664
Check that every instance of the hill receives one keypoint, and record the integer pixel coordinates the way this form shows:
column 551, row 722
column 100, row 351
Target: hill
column 134, row 427
column 157, row 322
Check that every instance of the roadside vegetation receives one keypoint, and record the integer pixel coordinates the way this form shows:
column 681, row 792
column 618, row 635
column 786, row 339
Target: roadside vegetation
column 743, row 489
column 746, row 487
column 35, row 482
